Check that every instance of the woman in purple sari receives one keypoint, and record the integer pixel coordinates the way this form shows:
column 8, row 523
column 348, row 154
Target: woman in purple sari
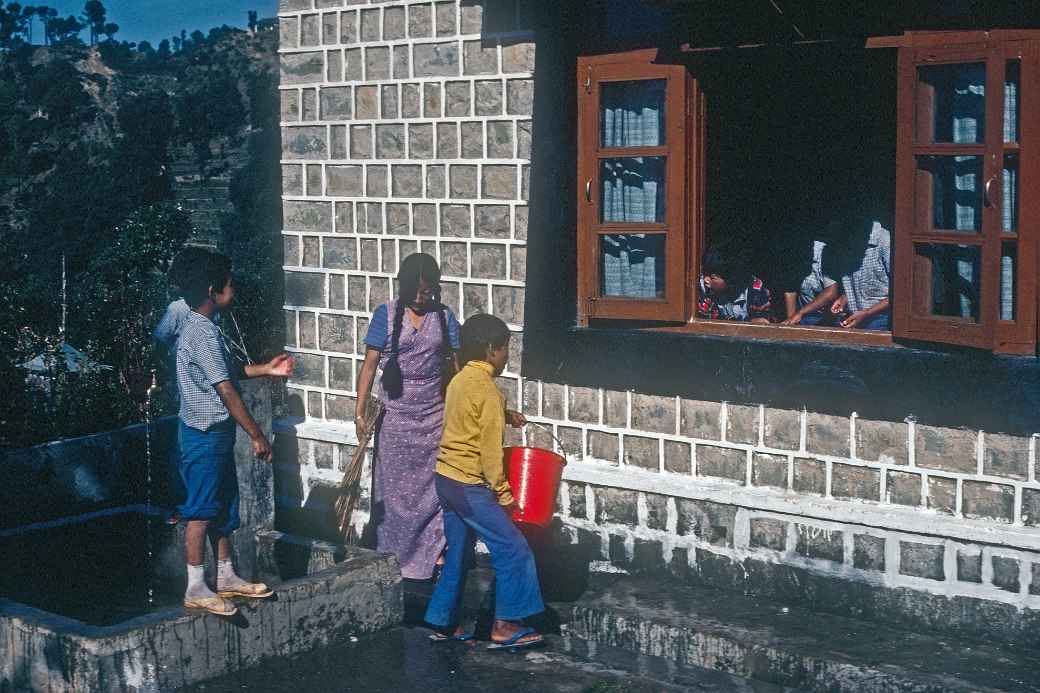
column 413, row 340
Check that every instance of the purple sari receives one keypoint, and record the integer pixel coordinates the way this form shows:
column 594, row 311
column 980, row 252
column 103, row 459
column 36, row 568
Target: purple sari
column 407, row 513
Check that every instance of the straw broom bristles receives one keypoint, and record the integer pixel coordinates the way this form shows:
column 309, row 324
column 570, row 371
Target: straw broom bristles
column 350, row 486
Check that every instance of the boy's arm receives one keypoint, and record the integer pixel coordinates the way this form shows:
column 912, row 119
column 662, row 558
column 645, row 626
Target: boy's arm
column 856, row 319
column 824, row 298
column 491, row 420
column 237, row 408
column 280, row 367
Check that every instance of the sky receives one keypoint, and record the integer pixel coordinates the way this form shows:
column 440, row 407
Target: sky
column 154, row 20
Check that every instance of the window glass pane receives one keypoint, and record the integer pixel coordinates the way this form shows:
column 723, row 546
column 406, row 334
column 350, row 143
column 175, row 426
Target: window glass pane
column 633, row 190
column 947, row 280
column 1008, row 279
column 632, row 113
column 956, row 97
column 956, row 187
column 1009, row 208
column 1011, row 82
column 632, row 265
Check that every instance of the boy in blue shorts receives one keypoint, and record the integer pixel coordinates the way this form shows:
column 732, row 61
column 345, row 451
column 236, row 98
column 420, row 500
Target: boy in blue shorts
column 166, row 334
column 210, row 407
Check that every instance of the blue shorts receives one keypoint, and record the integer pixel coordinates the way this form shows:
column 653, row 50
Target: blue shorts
column 207, row 466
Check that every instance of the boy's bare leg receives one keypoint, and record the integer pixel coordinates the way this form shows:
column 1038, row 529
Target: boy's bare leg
column 195, row 552
column 221, row 545
column 229, row 584
column 195, row 541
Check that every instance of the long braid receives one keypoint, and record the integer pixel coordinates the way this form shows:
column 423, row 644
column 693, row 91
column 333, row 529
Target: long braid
column 447, row 365
column 393, row 380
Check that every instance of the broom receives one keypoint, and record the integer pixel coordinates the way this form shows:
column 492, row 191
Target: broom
column 350, row 486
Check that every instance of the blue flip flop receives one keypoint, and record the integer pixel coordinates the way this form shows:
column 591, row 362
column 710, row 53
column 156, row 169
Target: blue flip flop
column 444, row 637
column 512, row 644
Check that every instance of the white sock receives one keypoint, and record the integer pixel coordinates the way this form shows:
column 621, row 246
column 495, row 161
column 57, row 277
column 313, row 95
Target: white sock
column 197, row 586
column 226, row 574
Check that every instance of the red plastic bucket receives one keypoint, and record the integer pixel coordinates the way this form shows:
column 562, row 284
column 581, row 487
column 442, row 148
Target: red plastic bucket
column 534, row 476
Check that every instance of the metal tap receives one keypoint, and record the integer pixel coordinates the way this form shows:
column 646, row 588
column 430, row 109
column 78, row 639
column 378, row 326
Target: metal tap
column 153, row 389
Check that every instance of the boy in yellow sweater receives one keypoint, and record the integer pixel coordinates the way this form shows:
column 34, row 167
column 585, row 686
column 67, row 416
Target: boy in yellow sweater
column 473, row 488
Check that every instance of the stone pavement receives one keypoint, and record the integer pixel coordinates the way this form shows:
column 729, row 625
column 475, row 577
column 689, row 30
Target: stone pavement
column 757, row 638
column 403, row 660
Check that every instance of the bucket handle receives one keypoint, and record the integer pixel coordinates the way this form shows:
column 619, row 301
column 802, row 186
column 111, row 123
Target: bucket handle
column 552, row 435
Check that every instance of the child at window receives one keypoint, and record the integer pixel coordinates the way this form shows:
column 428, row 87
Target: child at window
column 814, row 284
column 860, row 300
column 474, row 493
column 727, row 293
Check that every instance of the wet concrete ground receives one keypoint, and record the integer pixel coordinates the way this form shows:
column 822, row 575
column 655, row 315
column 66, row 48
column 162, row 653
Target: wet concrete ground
column 403, row 660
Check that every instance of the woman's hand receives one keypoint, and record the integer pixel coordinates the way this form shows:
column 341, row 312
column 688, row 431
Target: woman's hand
column 361, row 423
column 838, row 307
column 795, row 318
column 515, row 418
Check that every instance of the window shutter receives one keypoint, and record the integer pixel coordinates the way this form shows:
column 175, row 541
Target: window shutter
column 965, row 240
column 637, row 185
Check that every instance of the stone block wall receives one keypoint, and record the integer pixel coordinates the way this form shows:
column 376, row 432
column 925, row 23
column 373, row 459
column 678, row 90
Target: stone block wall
column 407, row 126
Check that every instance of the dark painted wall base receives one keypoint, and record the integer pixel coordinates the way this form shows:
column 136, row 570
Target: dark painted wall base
column 941, row 387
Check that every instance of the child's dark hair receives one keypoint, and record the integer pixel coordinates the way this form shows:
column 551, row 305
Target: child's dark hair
column 213, row 270
column 189, row 257
column 414, row 269
column 480, row 333
column 714, row 262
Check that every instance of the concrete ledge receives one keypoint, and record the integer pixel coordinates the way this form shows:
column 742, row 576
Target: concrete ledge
column 788, row 646
column 877, row 515
column 282, row 556
column 173, row 648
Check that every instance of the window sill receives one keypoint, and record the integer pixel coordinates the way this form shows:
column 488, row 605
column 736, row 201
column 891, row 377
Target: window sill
column 782, row 333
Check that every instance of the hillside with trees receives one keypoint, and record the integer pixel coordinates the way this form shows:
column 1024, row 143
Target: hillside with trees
column 90, row 128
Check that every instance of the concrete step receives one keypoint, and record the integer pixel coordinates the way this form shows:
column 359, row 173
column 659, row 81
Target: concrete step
column 788, row 646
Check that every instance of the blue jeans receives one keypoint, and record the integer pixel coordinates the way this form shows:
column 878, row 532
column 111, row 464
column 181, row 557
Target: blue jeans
column 881, row 321
column 207, row 466
column 471, row 511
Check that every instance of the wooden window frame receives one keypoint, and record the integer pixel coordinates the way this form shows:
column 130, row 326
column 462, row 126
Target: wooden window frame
column 686, row 240
column 683, row 222
column 913, row 204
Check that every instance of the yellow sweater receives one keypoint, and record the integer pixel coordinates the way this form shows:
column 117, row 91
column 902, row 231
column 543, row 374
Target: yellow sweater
column 474, row 426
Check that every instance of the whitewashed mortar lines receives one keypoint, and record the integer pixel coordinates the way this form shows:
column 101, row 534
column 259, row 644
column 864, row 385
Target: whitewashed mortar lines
column 695, row 441
column 891, row 577
column 621, row 432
